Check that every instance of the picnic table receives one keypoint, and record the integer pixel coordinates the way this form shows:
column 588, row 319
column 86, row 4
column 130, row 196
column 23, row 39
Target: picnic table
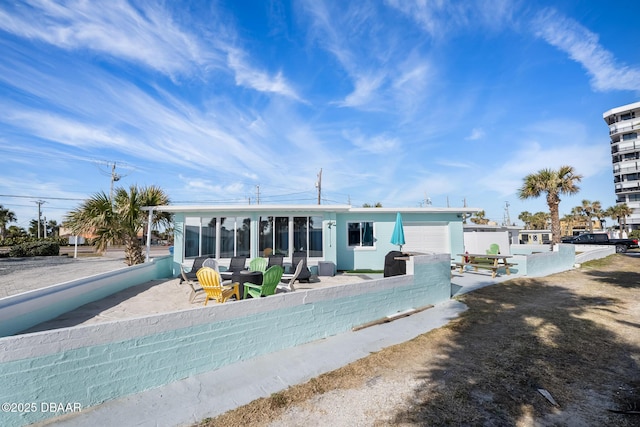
column 488, row 261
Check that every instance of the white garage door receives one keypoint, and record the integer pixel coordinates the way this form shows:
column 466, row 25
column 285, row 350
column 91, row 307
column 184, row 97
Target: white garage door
column 426, row 237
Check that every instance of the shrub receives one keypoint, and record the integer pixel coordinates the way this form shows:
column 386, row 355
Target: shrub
column 38, row 248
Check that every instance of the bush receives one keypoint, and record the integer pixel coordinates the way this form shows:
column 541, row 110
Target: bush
column 39, row 248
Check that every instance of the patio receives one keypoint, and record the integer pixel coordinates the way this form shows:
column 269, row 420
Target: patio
column 162, row 296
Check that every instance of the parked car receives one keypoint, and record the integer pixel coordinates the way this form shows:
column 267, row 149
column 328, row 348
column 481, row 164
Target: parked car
column 622, row 245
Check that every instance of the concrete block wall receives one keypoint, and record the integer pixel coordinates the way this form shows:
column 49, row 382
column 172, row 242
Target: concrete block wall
column 86, row 365
column 592, row 253
column 562, row 258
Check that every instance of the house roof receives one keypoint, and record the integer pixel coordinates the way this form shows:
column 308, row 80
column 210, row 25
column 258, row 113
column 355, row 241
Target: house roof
column 303, row 208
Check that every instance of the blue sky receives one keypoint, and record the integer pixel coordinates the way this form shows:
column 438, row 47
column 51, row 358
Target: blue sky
column 396, row 101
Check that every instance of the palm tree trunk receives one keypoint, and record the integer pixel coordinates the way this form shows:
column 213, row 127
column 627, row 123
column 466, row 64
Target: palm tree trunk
column 553, row 203
column 133, row 251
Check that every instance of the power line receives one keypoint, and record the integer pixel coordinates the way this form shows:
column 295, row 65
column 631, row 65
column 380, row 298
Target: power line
column 38, row 197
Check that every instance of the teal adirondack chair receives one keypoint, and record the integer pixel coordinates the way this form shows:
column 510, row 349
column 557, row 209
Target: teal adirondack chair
column 270, row 280
column 258, row 264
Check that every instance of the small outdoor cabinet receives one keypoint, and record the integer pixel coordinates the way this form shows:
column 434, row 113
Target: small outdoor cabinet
column 326, row 268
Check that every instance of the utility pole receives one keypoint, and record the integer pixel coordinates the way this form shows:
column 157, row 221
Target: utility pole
column 114, row 178
column 319, row 185
column 507, row 218
column 257, row 194
column 427, row 200
column 39, row 203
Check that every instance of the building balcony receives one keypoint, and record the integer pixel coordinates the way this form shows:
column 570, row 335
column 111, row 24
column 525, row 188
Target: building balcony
column 623, row 128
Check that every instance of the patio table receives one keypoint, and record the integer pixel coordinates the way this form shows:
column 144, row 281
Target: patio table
column 488, row 261
column 244, row 276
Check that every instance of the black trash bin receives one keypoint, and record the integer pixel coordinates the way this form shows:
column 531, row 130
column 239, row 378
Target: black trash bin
column 393, row 266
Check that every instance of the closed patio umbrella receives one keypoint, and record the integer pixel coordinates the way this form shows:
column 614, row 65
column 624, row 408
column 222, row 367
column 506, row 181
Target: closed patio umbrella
column 397, row 238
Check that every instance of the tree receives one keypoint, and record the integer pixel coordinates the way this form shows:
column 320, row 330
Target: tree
column 553, row 183
column 540, row 221
column 479, row 218
column 589, row 210
column 53, row 229
column 33, row 227
column 619, row 212
column 525, row 217
column 120, row 221
column 377, row 205
column 536, row 221
column 6, row 216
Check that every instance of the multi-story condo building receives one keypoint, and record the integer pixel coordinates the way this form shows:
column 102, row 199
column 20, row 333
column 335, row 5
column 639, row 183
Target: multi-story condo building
column 624, row 131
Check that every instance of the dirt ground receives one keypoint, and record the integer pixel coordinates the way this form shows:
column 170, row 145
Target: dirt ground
column 562, row 350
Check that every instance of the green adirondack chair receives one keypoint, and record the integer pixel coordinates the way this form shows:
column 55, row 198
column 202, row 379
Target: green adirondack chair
column 494, row 249
column 258, row 264
column 270, row 280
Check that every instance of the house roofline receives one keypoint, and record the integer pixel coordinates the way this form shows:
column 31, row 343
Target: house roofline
column 304, row 208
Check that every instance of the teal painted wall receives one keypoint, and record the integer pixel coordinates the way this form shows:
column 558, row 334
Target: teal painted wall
column 373, row 258
column 93, row 364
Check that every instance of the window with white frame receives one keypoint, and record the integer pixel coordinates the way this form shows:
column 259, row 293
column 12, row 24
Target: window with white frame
column 201, row 236
column 360, row 234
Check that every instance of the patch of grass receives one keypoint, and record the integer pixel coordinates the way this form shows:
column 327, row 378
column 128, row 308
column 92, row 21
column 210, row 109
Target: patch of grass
column 599, row 263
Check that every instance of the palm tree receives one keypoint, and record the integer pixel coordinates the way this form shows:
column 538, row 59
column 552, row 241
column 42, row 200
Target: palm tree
column 619, row 212
column 6, row 216
column 589, row 210
column 119, row 221
column 479, row 218
column 15, row 231
column 526, row 217
column 553, row 183
column 53, row 229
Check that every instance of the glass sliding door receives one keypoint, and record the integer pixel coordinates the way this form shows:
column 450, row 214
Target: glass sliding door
column 243, row 236
column 315, row 237
column 227, row 237
column 300, row 236
column 265, row 233
column 281, row 235
column 208, row 243
column 191, row 237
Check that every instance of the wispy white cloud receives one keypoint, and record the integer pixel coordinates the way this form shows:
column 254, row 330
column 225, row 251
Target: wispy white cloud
column 144, row 34
column 583, row 46
column 259, row 80
column 378, row 144
column 587, row 160
column 476, row 133
column 452, row 164
column 364, row 91
column 440, row 18
column 382, row 75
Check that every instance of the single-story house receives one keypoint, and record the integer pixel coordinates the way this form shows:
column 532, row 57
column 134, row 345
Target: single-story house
column 349, row 238
column 534, row 237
